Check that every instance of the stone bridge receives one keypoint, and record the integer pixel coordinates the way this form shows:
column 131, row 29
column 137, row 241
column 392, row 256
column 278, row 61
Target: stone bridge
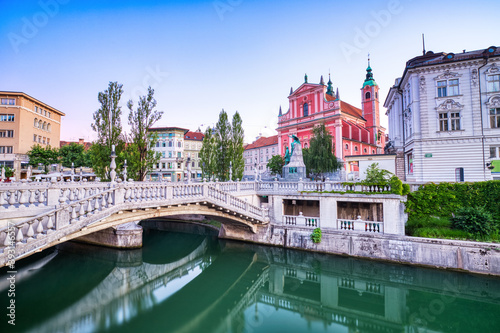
column 36, row 216
column 61, row 212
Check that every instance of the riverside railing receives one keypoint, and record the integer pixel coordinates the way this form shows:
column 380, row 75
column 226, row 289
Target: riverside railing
column 360, row 226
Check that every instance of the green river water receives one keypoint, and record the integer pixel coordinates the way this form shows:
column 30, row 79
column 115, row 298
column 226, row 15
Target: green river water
column 184, row 282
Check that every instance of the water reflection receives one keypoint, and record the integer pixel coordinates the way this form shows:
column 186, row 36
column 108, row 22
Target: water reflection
column 191, row 283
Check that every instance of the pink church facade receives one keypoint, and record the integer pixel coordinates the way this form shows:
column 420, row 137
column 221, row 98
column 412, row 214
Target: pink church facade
column 355, row 131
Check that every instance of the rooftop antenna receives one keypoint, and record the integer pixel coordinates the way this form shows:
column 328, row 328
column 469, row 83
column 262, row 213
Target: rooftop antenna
column 423, row 44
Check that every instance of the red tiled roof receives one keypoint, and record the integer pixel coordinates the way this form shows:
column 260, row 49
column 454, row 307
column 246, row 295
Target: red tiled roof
column 86, row 145
column 349, row 109
column 262, row 142
column 196, row 136
column 330, row 98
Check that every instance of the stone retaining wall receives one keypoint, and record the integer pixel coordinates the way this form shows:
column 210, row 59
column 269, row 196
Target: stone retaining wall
column 474, row 257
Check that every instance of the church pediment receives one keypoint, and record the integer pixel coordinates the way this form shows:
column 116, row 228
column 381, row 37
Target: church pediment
column 449, row 104
column 305, row 89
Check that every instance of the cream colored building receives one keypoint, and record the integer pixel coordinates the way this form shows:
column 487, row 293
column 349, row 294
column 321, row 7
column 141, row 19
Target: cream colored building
column 24, row 122
column 192, row 146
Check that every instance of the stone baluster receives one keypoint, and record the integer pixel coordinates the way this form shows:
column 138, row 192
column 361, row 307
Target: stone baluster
column 19, row 236
column 104, row 202
column 90, row 207
column 73, row 213
column 12, row 199
column 24, row 197
column 50, row 224
column 2, row 199
column 71, row 195
column 81, row 213
column 96, row 204
column 7, row 241
column 31, row 232
column 39, row 228
column 110, row 199
column 41, row 197
column 32, row 198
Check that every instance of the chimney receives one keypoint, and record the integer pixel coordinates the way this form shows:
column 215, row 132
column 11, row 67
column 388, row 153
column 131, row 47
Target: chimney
column 80, row 141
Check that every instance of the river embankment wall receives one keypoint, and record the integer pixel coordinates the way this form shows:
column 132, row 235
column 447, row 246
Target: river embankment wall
column 476, row 257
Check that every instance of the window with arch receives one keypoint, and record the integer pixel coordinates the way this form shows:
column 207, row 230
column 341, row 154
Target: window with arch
column 367, row 95
column 355, row 148
column 306, row 109
column 40, row 124
column 49, row 127
column 305, row 145
column 35, row 123
column 373, row 151
column 44, row 126
column 346, row 146
column 365, row 150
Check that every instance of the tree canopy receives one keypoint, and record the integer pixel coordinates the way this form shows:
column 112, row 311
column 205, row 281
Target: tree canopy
column 76, row 154
column 320, row 157
column 207, row 154
column 44, row 156
column 275, row 164
column 140, row 120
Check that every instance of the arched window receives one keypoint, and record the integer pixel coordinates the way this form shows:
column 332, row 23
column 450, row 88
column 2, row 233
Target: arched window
column 35, row 123
column 306, row 109
column 364, row 151
column 48, row 127
column 44, row 125
column 305, row 145
column 355, row 148
column 367, row 95
column 346, row 146
column 40, row 124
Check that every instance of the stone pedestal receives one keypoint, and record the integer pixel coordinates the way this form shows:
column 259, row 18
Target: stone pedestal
column 296, row 169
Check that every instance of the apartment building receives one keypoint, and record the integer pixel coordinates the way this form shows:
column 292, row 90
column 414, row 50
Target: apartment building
column 25, row 121
column 170, row 145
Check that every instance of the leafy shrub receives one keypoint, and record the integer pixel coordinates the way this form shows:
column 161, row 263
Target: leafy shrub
column 428, row 222
column 396, row 185
column 316, row 235
column 9, row 172
column 475, row 220
column 406, row 189
column 442, row 233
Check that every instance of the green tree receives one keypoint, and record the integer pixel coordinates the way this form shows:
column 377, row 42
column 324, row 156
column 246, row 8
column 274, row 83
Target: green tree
column 76, row 154
column 207, row 154
column 140, row 120
column 44, row 156
column 320, row 157
column 375, row 175
column 107, row 124
column 107, row 120
column 222, row 136
column 275, row 164
column 237, row 136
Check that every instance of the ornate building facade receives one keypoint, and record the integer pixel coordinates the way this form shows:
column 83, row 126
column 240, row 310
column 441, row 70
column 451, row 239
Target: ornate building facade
column 444, row 117
column 355, row 131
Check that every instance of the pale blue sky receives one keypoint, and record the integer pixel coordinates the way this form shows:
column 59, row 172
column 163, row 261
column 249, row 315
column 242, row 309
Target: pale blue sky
column 202, row 56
